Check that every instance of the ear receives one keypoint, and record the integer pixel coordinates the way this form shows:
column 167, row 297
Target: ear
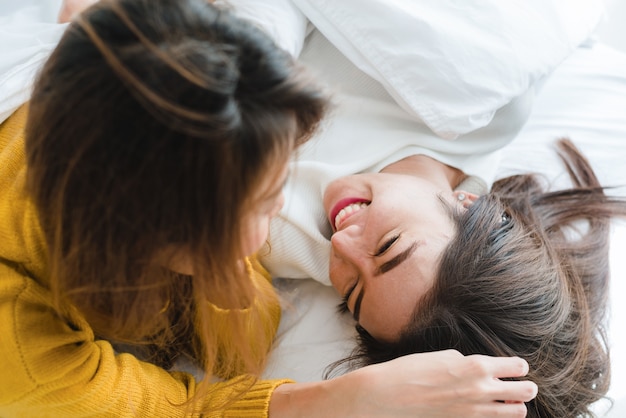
column 465, row 198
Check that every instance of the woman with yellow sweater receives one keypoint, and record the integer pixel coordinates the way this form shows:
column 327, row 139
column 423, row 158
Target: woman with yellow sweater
column 133, row 189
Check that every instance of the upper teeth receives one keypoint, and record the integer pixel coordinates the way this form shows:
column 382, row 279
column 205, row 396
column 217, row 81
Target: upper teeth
column 351, row 208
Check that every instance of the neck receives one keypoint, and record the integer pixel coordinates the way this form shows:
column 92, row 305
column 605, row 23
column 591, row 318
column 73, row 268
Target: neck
column 429, row 169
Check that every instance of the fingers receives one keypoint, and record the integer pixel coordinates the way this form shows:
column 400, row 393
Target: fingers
column 502, row 366
column 509, row 410
column 510, row 391
column 446, row 383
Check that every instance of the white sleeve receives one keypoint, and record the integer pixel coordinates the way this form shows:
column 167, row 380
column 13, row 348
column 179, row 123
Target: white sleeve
column 281, row 19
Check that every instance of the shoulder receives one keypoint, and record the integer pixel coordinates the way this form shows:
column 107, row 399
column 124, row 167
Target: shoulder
column 256, row 270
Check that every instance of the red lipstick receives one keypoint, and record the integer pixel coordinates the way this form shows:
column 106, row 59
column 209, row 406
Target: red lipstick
column 340, row 205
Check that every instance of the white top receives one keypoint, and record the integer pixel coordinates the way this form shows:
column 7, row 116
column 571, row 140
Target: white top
column 365, row 131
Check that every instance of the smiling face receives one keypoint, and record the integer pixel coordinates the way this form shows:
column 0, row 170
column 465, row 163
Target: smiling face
column 389, row 232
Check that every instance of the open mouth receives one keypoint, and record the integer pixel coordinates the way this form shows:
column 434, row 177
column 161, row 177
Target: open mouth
column 344, row 209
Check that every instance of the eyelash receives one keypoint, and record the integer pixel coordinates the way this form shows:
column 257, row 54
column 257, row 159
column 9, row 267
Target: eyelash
column 386, row 245
column 342, row 308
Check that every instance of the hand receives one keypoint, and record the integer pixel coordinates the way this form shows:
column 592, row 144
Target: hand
column 437, row 384
column 444, row 384
column 70, row 8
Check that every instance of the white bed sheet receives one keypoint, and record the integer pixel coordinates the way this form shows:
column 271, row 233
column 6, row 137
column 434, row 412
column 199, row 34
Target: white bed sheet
column 585, row 99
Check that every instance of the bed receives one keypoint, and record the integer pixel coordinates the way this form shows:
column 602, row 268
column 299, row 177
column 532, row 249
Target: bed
column 583, row 98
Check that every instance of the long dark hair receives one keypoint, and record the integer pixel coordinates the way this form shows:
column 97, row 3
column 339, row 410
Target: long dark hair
column 526, row 275
column 150, row 127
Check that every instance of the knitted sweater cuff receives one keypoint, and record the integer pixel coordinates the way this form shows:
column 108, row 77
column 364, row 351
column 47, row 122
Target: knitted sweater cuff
column 256, row 402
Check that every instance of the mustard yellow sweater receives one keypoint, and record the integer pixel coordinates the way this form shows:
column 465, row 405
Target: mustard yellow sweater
column 49, row 369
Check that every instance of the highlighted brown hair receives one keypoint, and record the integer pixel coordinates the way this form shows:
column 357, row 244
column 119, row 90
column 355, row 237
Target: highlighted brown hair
column 150, row 127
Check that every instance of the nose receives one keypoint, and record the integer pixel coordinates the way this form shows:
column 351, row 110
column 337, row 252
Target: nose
column 347, row 245
column 347, row 257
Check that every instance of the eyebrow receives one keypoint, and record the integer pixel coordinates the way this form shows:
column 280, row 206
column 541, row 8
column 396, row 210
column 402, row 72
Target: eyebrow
column 384, row 268
column 397, row 260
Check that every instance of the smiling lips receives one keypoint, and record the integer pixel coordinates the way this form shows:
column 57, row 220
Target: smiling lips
column 344, row 209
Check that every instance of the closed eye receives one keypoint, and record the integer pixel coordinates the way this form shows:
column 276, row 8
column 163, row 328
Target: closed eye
column 342, row 308
column 386, row 245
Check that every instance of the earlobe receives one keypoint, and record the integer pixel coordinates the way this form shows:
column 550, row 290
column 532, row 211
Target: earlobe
column 466, row 199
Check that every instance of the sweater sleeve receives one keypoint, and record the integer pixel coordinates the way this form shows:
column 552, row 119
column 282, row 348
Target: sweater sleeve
column 52, row 368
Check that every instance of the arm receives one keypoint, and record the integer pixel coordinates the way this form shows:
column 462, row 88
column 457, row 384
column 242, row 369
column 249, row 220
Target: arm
column 52, row 368
column 70, row 8
column 426, row 385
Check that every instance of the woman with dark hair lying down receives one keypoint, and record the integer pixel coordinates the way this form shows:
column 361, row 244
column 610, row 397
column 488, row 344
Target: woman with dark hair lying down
column 525, row 272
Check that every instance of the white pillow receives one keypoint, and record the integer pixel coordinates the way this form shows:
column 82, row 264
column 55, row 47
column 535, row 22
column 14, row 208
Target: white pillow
column 453, row 63
column 27, row 37
column 280, row 19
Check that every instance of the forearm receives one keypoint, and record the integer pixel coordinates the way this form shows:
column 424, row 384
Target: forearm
column 425, row 385
column 308, row 400
column 52, row 369
column 70, row 8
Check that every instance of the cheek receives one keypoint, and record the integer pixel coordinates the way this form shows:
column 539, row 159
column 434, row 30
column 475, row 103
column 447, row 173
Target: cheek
column 256, row 234
column 337, row 273
column 278, row 205
column 388, row 310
